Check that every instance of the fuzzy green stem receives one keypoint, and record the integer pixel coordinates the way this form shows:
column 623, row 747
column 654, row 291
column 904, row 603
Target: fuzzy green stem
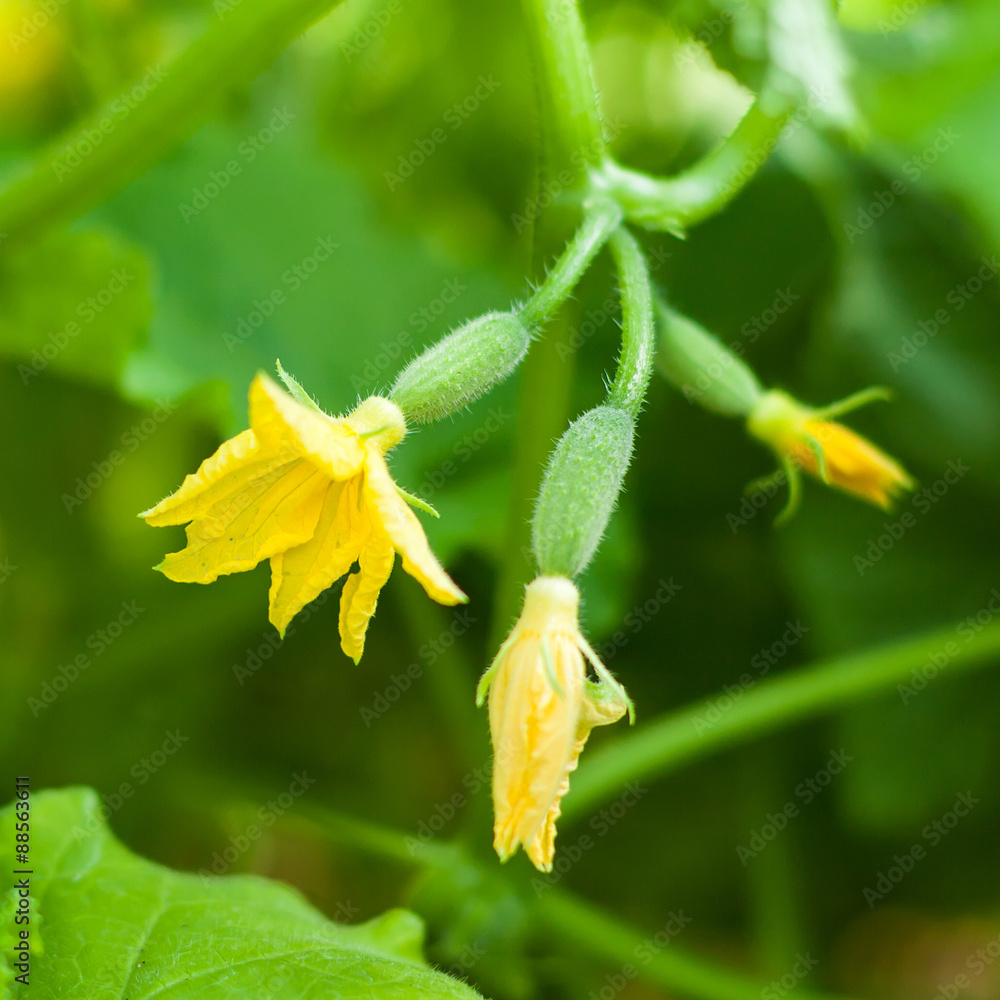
column 137, row 134
column 598, row 225
column 570, row 115
column 598, row 934
column 683, row 736
column 635, row 363
column 705, row 188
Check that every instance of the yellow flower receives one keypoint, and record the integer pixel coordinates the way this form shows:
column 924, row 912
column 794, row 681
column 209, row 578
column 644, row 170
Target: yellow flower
column 542, row 707
column 313, row 494
column 806, row 438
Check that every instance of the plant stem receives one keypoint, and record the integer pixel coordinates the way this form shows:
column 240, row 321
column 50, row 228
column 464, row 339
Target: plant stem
column 704, row 188
column 688, row 734
column 600, row 222
column 635, row 363
column 140, row 130
column 380, row 841
column 597, row 934
column 574, row 138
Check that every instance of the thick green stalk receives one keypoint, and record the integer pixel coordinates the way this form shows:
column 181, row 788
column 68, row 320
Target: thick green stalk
column 140, row 127
column 704, row 188
column 570, row 118
column 600, row 222
column 702, row 729
column 635, row 363
column 598, row 935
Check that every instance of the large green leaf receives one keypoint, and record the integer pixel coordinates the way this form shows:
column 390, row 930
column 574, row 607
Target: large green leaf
column 117, row 926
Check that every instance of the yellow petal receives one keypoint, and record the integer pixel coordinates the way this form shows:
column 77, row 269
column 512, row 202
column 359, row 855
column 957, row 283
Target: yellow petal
column 277, row 512
column 541, row 847
column 534, row 727
column 299, row 575
column 388, row 509
column 284, row 425
column 221, row 477
column 357, row 603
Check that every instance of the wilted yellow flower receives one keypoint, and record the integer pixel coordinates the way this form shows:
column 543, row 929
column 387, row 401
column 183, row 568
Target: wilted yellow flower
column 313, row 494
column 542, row 708
column 807, row 437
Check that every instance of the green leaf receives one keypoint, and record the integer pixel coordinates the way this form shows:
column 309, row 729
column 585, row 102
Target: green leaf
column 74, row 304
column 116, row 926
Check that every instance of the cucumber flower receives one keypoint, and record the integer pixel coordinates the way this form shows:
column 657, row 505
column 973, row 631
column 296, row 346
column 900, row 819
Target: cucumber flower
column 542, row 707
column 313, row 494
column 806, row 438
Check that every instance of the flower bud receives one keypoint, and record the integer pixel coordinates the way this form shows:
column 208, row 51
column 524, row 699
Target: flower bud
column 703, row 368
column 579, row 490
column 461, row 367
column 805, row 438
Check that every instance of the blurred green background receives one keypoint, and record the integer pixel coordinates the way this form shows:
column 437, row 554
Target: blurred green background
column 881, row 238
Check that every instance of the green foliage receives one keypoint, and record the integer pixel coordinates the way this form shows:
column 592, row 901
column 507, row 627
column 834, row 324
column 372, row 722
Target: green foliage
column 829, row 267
column 117, row 925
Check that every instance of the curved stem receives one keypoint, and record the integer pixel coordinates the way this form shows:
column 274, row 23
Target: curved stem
column 704, row 188
column 668, row 966
column 701, row 729
column 597, row 227
column 138, row 128
column 635, row 363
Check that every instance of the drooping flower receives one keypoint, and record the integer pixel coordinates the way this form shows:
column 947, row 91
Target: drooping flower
column 807, row 438
column 542, row 707
column 313, row 494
